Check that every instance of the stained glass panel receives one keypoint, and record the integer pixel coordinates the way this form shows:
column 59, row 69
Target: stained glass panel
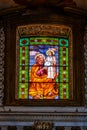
column 43, row 68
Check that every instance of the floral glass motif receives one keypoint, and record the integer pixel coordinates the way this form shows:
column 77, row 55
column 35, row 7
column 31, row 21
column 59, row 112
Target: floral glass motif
column 43, row 68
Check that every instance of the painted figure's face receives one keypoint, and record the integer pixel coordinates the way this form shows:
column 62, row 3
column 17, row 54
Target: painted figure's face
column 40, row 60
column 50, row 53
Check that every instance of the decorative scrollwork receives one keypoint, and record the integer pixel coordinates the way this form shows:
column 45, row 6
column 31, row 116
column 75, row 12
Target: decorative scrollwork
column 2, row 40
column 44, row 30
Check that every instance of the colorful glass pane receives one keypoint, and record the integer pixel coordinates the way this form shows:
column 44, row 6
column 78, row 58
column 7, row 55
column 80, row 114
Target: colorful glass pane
column 43, row 68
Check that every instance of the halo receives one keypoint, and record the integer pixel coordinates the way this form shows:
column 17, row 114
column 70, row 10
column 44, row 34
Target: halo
column 49, row 51
column 39, row 54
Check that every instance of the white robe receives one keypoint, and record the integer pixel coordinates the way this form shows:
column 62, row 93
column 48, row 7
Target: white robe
column 49, row 63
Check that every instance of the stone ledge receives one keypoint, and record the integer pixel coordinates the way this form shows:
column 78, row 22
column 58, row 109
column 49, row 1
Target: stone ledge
column 42, row 116
column 66, row 109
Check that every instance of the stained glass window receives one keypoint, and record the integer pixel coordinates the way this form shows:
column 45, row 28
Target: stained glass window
column 43, row 68
column 44, row 62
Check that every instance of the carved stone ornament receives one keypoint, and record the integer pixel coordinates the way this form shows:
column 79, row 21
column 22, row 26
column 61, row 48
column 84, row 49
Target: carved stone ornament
column 85, row 61
column 43, row 125
column 2, row 40
column 44, row 30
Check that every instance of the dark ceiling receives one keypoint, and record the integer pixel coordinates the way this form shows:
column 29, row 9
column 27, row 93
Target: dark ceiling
column 5, row 4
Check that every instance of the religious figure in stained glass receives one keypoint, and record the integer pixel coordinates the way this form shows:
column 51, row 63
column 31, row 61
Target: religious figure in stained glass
column 44, row 66
column 42, row 86
column 50, row 63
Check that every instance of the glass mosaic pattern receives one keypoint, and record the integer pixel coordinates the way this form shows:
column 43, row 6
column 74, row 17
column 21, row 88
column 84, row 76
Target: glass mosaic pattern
column 43, row 68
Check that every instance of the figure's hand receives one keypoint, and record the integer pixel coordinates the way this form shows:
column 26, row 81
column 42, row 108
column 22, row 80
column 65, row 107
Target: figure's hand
column 30, row 81
column 44, row 68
